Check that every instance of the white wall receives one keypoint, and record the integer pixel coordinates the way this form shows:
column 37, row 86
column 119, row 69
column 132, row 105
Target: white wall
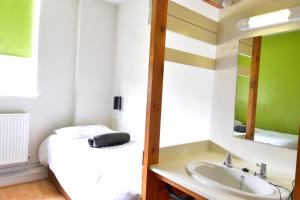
column 187, row 97
column 95, row 62
column 200, row 7
column 56, row 60
column 187, row 92
column 75, row 86
column 131, row 69
column 225, row 85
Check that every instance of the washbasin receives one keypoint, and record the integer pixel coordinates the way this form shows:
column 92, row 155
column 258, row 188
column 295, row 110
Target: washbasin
column 233, row 181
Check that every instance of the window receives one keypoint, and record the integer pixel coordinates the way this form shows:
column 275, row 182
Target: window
column 18, row 76
column 18, row 47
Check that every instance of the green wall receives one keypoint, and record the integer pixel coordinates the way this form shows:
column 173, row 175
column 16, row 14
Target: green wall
column 241, row 99
column 278, row 103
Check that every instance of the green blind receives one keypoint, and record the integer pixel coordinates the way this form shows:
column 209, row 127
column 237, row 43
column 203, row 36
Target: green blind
column 16, row 27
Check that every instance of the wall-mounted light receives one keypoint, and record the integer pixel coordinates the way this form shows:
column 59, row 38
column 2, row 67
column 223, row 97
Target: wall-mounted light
column 270, row 19
column 117, row 103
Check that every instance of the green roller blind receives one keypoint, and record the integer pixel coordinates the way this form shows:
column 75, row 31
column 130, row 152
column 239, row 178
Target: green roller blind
column 16, row 27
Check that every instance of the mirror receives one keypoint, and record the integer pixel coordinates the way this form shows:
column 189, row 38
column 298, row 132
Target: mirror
column 267, row 106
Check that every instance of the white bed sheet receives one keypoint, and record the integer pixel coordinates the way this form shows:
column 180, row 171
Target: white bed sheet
column 274, row 138
column 112, row 173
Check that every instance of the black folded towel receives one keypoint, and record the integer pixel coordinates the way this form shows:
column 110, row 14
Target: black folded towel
column 109, row 139
column 240, row 128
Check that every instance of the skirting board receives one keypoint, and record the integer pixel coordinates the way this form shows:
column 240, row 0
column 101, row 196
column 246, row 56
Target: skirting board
column 22, row 174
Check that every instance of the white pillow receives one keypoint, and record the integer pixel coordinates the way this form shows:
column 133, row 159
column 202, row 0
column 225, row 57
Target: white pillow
column 86, row 131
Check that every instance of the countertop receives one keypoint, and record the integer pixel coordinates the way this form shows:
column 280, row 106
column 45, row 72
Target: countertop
column 173, row 160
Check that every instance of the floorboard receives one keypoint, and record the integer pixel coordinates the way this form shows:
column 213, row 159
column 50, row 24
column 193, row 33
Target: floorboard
column 39, row 190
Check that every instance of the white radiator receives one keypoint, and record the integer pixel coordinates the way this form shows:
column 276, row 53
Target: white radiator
column 14, row 137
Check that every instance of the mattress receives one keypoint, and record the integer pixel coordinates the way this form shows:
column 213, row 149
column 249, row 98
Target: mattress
column 111, row 173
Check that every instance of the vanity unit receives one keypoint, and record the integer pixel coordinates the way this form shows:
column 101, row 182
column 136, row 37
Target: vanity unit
column 205, row 170
column 198, row 169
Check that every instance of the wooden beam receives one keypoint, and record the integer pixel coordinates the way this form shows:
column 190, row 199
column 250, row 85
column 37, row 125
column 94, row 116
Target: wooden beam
column 154, row 98
column 297, row 176
column 192, row 17
column 190, row 23
column 247, row 41
column 182, row 27
column 213, row 3
column 254, row 76
column 245, row 49
column 243, row 71
column 185, row 58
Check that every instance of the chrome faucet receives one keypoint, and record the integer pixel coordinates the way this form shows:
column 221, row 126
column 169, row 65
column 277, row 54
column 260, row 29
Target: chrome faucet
column 263, row 170
column 228, row 161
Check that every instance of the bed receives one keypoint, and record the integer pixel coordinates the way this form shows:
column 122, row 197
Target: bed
column 272, row 137
column 110, row 173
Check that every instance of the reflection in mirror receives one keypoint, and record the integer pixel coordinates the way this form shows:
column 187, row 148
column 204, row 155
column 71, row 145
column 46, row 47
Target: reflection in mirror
column 267, row 107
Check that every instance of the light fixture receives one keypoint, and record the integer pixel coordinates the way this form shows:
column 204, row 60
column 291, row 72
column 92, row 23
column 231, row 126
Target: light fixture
column 270, row 19
column 117, row 103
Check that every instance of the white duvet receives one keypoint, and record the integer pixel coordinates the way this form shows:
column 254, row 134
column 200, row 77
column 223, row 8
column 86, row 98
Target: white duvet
column 273, row 138
column 112, row 173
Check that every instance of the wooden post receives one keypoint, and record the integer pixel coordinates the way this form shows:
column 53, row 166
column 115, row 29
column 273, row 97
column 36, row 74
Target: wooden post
column 297, row 176
column 254, row 76
column 154, row 99
column 213, row 3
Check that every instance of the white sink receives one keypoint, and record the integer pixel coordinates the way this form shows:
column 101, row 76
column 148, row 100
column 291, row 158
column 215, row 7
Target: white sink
column 233, row 181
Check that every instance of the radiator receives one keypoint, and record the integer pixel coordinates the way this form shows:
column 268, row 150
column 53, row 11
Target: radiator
column 14, row 137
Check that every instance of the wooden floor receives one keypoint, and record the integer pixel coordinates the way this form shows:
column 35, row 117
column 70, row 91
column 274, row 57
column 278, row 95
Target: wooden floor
column 40, row 190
